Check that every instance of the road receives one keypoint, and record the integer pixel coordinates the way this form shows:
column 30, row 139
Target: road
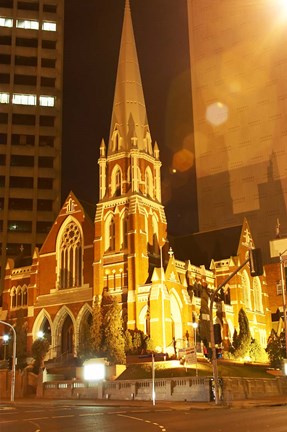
column 84, row 418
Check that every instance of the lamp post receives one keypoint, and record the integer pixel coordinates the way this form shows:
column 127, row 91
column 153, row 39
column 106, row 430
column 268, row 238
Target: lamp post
column 14, row 360
column 195, row 325
column 5, row 339
column 153, row 383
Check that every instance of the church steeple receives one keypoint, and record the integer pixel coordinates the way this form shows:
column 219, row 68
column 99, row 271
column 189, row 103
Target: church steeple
column 129, row 125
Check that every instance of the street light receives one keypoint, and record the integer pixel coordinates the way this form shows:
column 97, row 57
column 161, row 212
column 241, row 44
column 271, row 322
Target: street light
column 195, row 325
column 5, row 340
column 14, row 359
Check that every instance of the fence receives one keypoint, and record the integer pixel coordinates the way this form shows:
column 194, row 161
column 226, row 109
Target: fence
column 181, row 389
column 171, row 389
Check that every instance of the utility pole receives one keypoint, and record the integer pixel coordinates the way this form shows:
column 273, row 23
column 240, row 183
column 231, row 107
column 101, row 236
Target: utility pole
column 212, row 339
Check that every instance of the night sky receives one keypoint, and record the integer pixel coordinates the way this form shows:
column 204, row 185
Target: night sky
column 91, row 49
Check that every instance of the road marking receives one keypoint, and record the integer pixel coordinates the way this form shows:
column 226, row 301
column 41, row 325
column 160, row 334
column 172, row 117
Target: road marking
column 7, row 421
column 37, row 426
column 35, row 418
column 145, row 421
column 34, row 411
column 91, row 414
column 63, row 416
column 131, row 417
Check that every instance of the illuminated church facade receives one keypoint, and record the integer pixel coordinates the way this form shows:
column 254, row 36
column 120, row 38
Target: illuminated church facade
column 125, row 253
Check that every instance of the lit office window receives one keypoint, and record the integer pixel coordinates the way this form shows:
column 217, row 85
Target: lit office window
column 24, row 99
column 6, row 22
column 49, row 26
column 48, row 101
column 4, row 98
column 27, row 24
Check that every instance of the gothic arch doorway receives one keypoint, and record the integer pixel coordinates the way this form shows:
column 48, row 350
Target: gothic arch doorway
column 46, row 329
column 67, row 346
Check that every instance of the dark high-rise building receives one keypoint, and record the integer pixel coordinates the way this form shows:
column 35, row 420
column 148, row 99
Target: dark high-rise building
column 31, row 61
column 239, row 90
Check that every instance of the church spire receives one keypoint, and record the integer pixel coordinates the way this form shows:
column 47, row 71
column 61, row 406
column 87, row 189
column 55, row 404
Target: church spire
column 129, row 125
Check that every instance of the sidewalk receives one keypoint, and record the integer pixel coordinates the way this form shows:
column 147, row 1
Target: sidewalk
column 172, row 405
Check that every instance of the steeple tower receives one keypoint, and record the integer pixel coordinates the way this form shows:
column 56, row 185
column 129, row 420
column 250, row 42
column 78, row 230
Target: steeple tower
column 130, row 223
column 129, row 125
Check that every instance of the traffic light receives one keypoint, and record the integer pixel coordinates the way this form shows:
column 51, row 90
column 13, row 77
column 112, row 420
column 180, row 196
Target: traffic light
column 10, row 363
column 255, row 259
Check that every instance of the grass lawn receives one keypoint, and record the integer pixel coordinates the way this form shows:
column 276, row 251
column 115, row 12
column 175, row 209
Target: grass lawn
column 164, row 370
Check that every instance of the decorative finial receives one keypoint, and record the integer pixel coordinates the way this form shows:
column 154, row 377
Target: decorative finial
column 170, row 252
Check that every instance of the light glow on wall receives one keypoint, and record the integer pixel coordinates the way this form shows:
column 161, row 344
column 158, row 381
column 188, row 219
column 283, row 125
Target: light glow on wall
column 94, row 370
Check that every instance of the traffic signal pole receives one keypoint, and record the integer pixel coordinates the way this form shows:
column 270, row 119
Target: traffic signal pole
column 212, row 339
column 283, row 296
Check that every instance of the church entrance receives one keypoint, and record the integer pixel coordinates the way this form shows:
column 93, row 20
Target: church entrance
column 67, row 347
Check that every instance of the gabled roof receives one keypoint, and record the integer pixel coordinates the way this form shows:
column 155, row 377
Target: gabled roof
column 171, row 270
column 201, row 248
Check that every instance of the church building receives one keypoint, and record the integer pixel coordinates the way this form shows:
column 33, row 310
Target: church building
column 123, row 251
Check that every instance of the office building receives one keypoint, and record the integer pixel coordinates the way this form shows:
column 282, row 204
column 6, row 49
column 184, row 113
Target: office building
column 239, row 89
column 31, row 60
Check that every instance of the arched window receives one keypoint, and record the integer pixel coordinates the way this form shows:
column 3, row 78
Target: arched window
column 13, row 298
column 115, row 141
column 116, row 184
column 19, row 297
column 246, row 290
column 148, row 183
column 155, row 234
column 25, row 297
column 125, row 232
column 257, row 293
column 112, row 234
column 71, row 257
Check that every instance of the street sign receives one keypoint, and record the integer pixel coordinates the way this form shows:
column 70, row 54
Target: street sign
column 190, row 355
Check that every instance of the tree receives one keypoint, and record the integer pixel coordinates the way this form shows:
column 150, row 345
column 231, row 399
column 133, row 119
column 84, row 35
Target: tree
column 241, row 343
column 128, row 342
column 137, row 342
column 257, row 353
column 40, row 348
column 85, row 346
column 276, row 349
column 21, row 335
column 96, row 329
column 113, row 342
